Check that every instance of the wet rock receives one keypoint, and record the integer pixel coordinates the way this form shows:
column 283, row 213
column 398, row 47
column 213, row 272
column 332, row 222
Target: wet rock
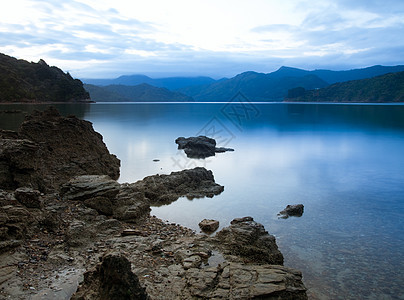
column 28, row 197
column 112, row 279
column 292, row 210
column 209, row 225
column 199, row 147
column 249, row 239
column 50, row 149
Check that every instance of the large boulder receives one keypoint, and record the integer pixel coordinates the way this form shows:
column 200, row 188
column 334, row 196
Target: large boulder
column 249, row 239
column 50, row 149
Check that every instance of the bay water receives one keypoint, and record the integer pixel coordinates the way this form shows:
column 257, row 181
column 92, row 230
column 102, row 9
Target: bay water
column 344, row 163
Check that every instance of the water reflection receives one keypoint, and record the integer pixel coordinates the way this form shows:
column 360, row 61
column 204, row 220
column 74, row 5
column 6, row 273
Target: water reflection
column 343, row 162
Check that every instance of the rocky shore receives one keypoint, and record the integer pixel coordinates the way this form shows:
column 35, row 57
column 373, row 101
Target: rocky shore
column 68, row 229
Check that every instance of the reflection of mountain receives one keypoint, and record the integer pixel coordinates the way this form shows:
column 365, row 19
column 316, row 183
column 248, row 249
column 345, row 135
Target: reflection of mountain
column 384, row 88
column 22, row 81
column 138, row 93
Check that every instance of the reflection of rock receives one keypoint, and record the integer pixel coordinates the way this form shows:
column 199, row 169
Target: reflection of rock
column 292, row 210
column 112, row 279
column 208, row 225
column 199, row 147
column 248, row 239
column 49, row 149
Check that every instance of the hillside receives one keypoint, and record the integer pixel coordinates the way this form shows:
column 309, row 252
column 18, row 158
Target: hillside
column 384, row 88
column 171, row 83
column 255, row 86
column 22, row 81
column 139, row 93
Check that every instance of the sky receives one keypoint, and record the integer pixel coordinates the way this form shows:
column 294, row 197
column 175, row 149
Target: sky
column 217, row 38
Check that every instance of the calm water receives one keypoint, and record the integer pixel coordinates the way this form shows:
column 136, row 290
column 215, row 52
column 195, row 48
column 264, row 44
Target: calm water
column 345, row 163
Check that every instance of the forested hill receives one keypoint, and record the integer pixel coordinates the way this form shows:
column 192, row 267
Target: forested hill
column 380, row 89
column 23, row 81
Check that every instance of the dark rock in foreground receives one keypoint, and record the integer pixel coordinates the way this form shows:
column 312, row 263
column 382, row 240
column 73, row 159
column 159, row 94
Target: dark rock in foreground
column 199, row 147
column 295, row 210
column 50, row 149
column 112, row 279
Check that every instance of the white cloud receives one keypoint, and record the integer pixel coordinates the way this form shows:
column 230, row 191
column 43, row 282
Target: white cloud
column 205, row 36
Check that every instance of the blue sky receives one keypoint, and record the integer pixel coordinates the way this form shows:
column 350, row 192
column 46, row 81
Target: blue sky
column 105, row 39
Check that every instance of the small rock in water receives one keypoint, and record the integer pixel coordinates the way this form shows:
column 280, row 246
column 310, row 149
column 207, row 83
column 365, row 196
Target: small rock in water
column 295, row 210
column 156, row 160
column 209, row 225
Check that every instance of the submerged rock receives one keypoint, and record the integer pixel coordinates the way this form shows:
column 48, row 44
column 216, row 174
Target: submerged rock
column 112, row 279
column 292, row 210
column 199, row 147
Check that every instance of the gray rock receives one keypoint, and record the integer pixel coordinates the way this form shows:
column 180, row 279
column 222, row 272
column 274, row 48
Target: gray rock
column 249, row 239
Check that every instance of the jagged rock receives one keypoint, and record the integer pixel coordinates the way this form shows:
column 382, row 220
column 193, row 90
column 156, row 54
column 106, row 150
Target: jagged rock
column 199, row 147
column 292, row 210
column 112, row 279
column 209, row 225
column 28, row 197
column 50, row 149
column 249, row 239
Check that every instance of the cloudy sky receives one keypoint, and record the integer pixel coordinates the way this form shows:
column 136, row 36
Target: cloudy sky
column 105, row 39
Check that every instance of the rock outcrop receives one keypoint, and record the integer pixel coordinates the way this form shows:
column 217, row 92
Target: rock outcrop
column 50, row 149
column 199, row 147
column 131, row 202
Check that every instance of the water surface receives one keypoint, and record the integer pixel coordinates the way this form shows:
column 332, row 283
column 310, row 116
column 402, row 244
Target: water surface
column 345, row 163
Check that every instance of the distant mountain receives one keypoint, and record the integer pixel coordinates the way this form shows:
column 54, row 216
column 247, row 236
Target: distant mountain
column 22, row 81
column 255, row 86
column 171, row 83
column 139, row 93
column 384, row 88
column 337, row 76
column 274, row 86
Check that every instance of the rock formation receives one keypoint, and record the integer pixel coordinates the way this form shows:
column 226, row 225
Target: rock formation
column 208, row 226
column 199, row 147
column 49, row 149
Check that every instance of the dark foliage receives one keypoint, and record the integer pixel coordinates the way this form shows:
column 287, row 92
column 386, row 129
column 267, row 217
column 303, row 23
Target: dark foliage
column 385, row 88
column 22, row 81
